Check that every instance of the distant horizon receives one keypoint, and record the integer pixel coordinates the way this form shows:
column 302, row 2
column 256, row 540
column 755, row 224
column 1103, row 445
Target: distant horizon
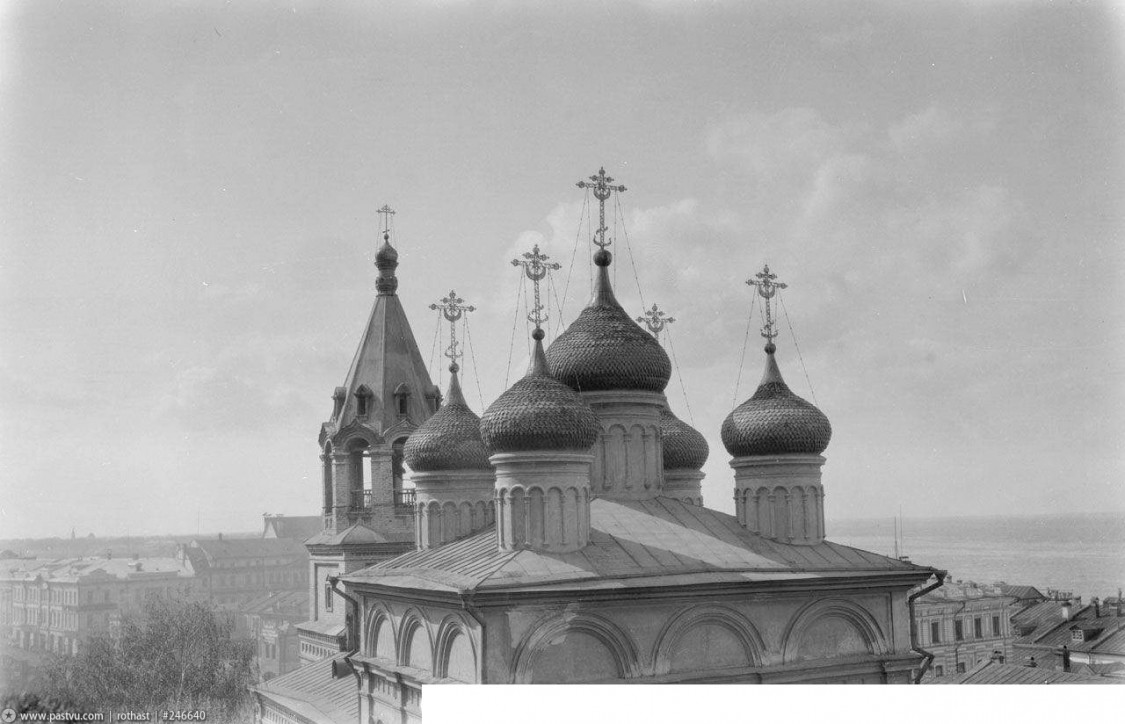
column 829, row 520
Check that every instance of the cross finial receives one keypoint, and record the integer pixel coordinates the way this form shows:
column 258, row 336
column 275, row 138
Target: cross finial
column 655, row 320
column 535, row 266
column 767, row 288
column 386, row 212
column 602, row 186
column 453, row 308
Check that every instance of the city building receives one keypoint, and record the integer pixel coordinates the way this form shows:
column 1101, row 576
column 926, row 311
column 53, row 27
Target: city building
column 271, row 621
column 559, row 542
column 964, row 624
column 1068, row 636
column 234, row 571
column 996, row 672
column 56, row 606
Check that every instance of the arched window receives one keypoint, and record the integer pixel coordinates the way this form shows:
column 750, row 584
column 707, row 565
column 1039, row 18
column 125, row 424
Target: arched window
column 363, row 399
column 402, row 397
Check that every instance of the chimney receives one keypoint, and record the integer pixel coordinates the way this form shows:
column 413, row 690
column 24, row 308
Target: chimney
column 997, row 657
column 220, row 536
column 1066, row 658
column 1066, row 610
column 1097, row 603
column 1119, row 602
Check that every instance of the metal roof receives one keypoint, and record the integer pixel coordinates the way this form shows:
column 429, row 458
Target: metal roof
column 314, row 693
column 991, row 672
column 640, row 543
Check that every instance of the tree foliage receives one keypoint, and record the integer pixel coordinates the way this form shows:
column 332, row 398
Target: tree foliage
column 172, row 654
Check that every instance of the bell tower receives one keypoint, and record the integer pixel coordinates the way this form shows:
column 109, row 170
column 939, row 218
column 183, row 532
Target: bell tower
column 368, row 510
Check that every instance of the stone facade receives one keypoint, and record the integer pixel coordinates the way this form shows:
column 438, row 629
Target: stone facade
column 964, row 625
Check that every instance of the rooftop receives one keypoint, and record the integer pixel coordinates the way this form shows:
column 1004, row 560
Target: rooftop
column 72, row 569
column 991, row 672
column 223, row 548
column 657, row 542
column 314, row 693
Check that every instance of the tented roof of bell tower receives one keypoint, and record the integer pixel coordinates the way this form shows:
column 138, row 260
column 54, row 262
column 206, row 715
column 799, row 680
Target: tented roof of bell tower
column 387, row 358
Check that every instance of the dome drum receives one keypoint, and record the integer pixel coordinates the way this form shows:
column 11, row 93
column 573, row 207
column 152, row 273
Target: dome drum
column 542, row 500
column 450, row 504
column 780, row 497
column 685, row 485
column 629, row 453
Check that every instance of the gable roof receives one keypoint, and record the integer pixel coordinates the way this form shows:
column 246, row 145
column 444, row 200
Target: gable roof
column 1022, row 593
column 641, row 543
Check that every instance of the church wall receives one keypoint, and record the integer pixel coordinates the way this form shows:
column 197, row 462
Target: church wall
column 735, row 637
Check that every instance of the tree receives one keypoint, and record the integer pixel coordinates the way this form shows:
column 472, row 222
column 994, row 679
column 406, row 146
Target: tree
column 172, row 654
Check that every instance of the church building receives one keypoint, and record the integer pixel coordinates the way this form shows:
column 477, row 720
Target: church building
column 562, row 538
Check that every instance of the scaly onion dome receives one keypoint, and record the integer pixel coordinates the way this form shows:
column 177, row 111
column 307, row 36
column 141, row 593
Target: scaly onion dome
column 604, row 349
column 538, row 413
column 450, row 438
column 684, row 447
column 774, row 421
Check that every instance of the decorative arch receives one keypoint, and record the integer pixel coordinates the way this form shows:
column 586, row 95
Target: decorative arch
column 379, row 616
column 832, row 608
column 616, row 641
column 451, row 627
column 413, row 621
column 682, row 623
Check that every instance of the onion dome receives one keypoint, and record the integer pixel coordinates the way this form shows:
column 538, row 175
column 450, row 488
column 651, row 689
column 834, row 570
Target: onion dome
column 684, row 446
column 387, row 256
column 386, row 261
column 450, row 438
column 604, row 349
column 538, row 413
column 774, row 421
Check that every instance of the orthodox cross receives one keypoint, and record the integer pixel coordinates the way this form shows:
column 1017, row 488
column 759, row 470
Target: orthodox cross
column 656, row 321
column 453, row 309
column 767, row 287
column 386, row 212
column 602, row 186
column 535, row 267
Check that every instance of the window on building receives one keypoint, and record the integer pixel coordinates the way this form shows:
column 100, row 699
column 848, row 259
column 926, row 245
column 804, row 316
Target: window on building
column 935, row 632
column 363, row 401
column 327, row 596
column 961, row 667
column 995, row 625
column 978, row 628
column 959, row 630
column 939, row 671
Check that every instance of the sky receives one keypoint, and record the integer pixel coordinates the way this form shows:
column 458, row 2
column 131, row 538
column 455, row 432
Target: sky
column 188, row 199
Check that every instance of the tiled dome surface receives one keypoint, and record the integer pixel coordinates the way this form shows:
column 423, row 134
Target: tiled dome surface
column 606, row 350
column 449, row 439
column 538, row 413
column 774, row 421
column 684, row 447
